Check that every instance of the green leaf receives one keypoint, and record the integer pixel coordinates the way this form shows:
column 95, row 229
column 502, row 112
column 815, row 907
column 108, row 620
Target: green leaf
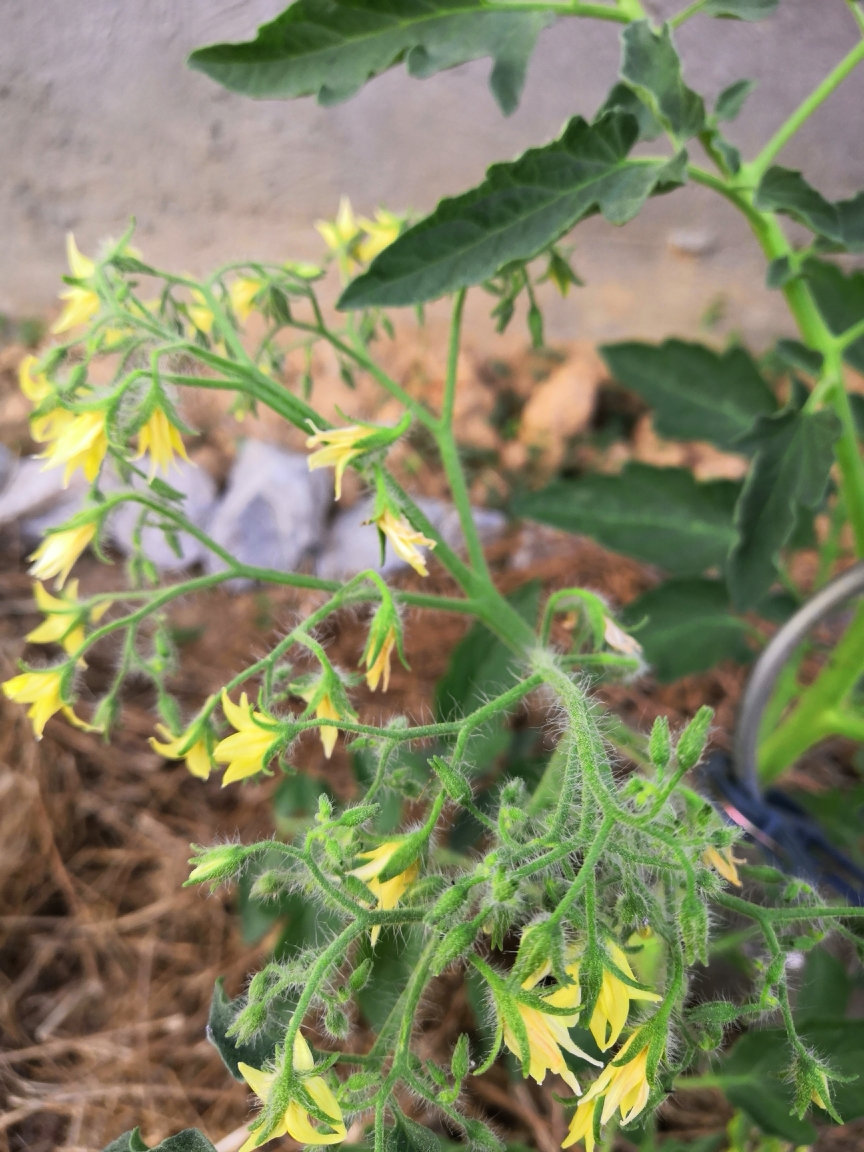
column 799, row 357
column 731, row 99
column 223, row 1012
column 394, row 959
column 518, row 211
column 789, row 472
column 660, row 515
column 785, row 190
column 189, row 1140
column 409, row 1136
column 825, row 988
column 840, row 299
column 652, row 68
column 696, row 393
column 622, row 98
column 128, row 1142
column 330, row 48
column 740, row 9
column 690, row 627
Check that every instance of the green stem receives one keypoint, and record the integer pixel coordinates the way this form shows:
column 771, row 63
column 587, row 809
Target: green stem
column 567, row 8
column 689, row 11
column 756, row 168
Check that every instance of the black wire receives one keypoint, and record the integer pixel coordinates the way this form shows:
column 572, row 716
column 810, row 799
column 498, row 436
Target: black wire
column 770, row 664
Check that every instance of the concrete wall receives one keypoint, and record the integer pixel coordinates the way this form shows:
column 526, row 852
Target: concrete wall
column 101, row 120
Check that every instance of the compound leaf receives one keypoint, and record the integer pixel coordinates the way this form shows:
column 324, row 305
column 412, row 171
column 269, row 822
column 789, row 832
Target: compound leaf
column 659, row 515
column 785, row 190
column 789, row 473
column 652, row 68
column 689, row 626
column 518, row 210
column 696, row 393
column 331, row 48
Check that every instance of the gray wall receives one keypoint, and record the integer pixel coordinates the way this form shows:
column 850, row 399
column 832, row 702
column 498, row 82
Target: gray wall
column 100, row 120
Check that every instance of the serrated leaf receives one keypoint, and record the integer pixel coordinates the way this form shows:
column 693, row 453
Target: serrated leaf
column 189, row 1140
column 695, row 392
column 740, row 9
column 409, row 1136
column 785, row 190
column 518, row 211
column 223, row 1013
column 330, row 48
column 651, row 66
column 789, row 472
column 840, row 299
column 731, row 99
column 824, row 990
column 689, row 627
column 622, row 98
column 799, row 357
column 660, row 515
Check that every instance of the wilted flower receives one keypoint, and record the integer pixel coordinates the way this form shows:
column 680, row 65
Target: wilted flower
column 387, row 893
column 59, row 551
column 42, row 690
column 296, row 1121
column 377, row 656
column 339, row 447
column 82, row 303
column 405, row 540
column 247, row 750
column 623, row 1085
column 162, row 440
column 723, row 862
column 33, row 383
column 196, row 754
column 327, row 705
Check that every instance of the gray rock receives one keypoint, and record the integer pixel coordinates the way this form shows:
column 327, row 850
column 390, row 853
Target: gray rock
column 199, row 492
column 273, row 511
column 351, row 546
column 34, row 496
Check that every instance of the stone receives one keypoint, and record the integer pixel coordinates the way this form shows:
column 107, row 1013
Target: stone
column 33, row 493
column 273, row 511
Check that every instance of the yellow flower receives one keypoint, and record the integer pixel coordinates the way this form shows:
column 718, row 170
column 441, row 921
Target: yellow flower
column 196, row 755
column 582, row 1126
column 42, row 691
column 613, row 1002
column 81, row 303
column 59, row 551
column 325, row 709
column 623, row 1086
column 162, row 440
column 242, row 295
column 296, row 1121
column 247, row 751
column 33, row 383
column 387, row 893
column 380, row 234
column 340, row 446
column 405, row 541
column 80, row 441
column 64, row 623
column 378, row 662
column 548, row 1034
column 341, row 233
column 199, row 312
column 724, row 862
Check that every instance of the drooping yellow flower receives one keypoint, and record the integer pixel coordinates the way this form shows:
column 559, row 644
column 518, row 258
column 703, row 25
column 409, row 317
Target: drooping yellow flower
column 296, row 1121
column 33, row 383
column 158, row 436
column 196, row 754
column 380, row 233
column 247, row 750
column 378, row 662
column 405, row 540
column 325, row 709
column 340, row 234
column 42, row 691
column 613, row 1002
column 387, row 893
column 582, row 1126
column 82, row 303
column 548, row 1034
column 200, row 313
column 59, row 551
column 242, row 295
column 723, row 862
column 64, row 618
column 623, row 1085
column 80, row 440
column 340, row 446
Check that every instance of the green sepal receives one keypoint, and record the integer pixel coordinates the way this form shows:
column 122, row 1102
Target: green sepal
column 660, row 744
column 454, row 946
column 330, row 48
column 460, row 1060
column 691, row 742
column 454, row 782
column 517, row 212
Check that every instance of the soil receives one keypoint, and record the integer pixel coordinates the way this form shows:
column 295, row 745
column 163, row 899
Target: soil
column 107, row 962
